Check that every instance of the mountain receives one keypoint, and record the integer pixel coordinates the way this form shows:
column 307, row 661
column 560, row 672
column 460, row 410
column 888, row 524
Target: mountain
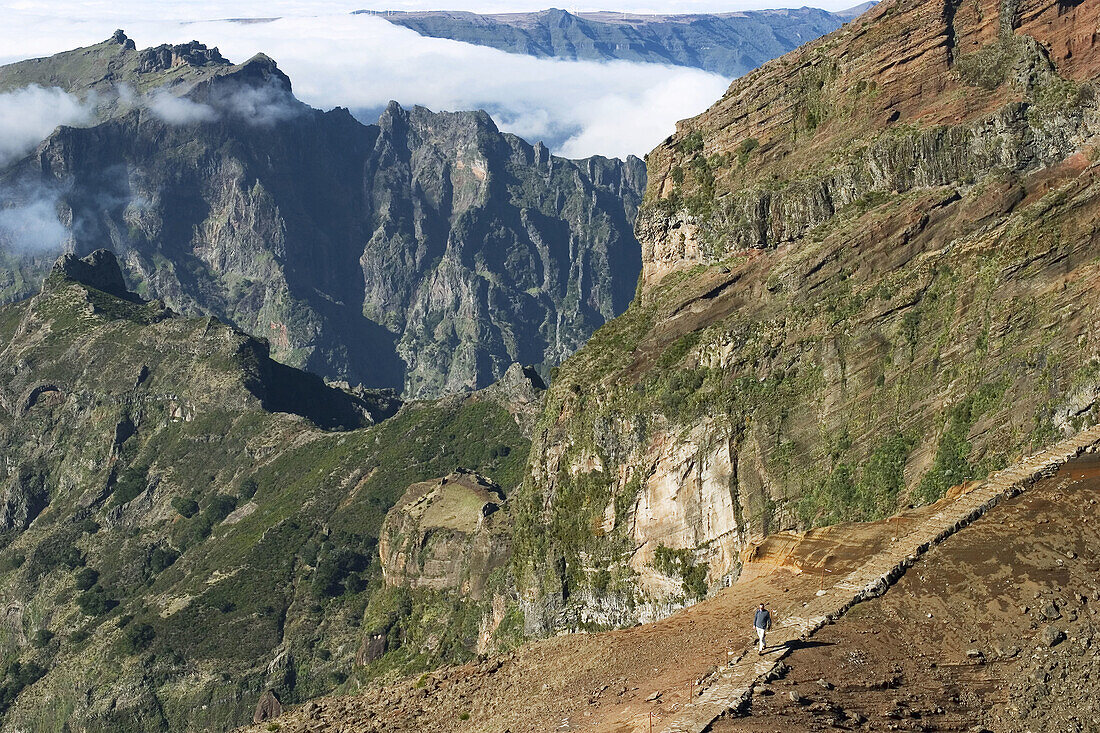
column 186, row 523
column 867, row 277
column 730, row 44
column 868, row 285
column 426, row 253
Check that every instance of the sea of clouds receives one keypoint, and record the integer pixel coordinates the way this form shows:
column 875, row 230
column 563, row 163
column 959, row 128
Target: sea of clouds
column 362, row 62
column 578, row 108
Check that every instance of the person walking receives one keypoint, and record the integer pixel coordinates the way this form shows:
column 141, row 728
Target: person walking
column 762, row 622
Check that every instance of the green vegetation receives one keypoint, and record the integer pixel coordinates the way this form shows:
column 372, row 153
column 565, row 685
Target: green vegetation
column 41, row 638
column 690, row 143
column 86, row 578
column 951, row 465
column 681, row 563
column 185, row 507
column 17, row 676
column 744, row 150
column 863, row 492
column 988, row 67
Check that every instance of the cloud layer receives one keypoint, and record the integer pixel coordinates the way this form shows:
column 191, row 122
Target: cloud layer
column 361, row 62
column 29, row 114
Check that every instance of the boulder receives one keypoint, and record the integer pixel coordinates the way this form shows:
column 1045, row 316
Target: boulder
column 267, row 708
column 1052, row 635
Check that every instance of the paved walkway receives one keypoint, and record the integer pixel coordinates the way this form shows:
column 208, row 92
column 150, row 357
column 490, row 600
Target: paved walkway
column 732, row 690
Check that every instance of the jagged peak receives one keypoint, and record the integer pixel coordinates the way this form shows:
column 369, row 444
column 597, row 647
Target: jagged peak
column 167, row 56
column 120, row 37
column 99, row 270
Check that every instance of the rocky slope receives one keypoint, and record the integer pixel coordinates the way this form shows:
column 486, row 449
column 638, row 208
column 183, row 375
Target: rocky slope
column 426, row 253
column 186, row 523
column 868, row 276
column 730, row 44
column 951, row 646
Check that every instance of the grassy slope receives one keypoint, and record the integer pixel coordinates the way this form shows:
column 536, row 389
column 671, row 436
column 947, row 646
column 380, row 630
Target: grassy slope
column 153, row 613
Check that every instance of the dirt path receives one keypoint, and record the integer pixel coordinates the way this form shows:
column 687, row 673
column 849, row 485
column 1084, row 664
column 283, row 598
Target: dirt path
column 994, row 630
column 624, row 681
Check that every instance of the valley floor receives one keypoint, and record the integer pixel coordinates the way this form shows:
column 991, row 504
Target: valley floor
column 993, row 629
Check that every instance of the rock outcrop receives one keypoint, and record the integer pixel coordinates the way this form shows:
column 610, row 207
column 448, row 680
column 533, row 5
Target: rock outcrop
column 446, row 534
column 99, row 270
column 858, row 266
column 425, row 253
column 268, row 707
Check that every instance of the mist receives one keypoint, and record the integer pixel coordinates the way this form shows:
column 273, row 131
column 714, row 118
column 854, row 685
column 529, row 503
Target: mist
column 29, row 222
column 30, row 114
column 578, row 108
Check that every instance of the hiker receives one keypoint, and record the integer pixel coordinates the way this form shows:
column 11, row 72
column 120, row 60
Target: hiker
column 762, row 622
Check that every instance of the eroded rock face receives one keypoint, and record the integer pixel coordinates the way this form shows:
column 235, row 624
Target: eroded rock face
column 446, row 534
column 425, row 253
column 853, row 264
column 99, row 270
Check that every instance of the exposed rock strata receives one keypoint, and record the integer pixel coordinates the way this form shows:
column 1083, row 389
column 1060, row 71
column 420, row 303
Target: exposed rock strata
column 858, row 267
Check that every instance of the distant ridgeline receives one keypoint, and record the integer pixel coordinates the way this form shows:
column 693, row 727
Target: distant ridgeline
column 730, row 44
column 426, row 253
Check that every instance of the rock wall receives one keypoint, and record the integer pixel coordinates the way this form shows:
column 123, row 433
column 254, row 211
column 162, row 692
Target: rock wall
column 425, row 253
column 867, row 278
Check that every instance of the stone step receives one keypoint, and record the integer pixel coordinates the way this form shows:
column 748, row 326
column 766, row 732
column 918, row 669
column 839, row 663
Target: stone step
column 877, row 574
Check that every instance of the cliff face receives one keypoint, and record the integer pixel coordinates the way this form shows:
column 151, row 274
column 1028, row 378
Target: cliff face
column 185, row 523
column 730, row 44
column 868, row 275
column 426, row 253
column 446, row 534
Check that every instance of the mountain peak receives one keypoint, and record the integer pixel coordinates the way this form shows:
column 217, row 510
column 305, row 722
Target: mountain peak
column 120, row 37
column 99, row 270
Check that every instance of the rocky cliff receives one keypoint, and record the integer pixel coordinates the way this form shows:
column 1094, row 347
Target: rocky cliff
column 446, row 534
column 730, row 44
column 186, row 523
column 426, row 253
column 868, row 275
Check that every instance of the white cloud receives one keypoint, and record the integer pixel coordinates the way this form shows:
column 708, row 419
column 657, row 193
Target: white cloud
column 362, row 62
column 177, row 110
column 28, row 221
column 30, row 114
column 580, row 107
column 256, row 105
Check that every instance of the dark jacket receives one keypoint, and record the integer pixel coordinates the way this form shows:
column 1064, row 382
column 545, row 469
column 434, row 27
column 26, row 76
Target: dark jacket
column 763, row 619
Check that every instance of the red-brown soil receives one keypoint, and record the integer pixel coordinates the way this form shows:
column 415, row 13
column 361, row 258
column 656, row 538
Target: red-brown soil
column 958, row 642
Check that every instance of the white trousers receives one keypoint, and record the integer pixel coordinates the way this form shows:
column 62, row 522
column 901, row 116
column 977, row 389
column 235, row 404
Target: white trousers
column 760, row 635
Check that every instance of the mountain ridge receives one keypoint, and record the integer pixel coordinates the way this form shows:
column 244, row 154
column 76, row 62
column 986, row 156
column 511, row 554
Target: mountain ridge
column 425, row 253
column 730, row 44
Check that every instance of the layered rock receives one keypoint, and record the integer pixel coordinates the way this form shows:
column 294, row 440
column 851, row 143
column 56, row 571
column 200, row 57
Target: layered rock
column 426, row 253
column 859, row 266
